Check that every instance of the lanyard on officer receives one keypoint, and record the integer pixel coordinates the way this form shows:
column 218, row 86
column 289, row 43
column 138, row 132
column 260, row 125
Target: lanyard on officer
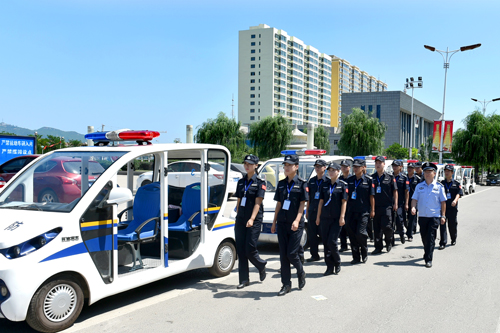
column 332, row 188
column 244, row 199
column 286, row 204
column 448, row 194
column 379, row 187
column 397, row 178
column 356, row 183
column 316, row 195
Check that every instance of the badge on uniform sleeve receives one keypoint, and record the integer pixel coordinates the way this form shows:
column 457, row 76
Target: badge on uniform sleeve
column 264, row 187
column 243, row 201
column 286, row 205
column 379, row 189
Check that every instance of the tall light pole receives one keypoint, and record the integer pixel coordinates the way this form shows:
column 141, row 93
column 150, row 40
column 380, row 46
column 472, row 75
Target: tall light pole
column 446, row 66
column 412, row 84
column 485, row 103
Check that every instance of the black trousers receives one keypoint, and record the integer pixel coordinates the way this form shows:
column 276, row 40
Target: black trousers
column 382, row 225
column 369, row 228
column 313, row 233
column 451, row 221
column 400, row 219
column 246, row 248
column 289, row 242
column 343, row 238
column 428, row 230
column 412, row 224
column 356, row 224
column 330, row 231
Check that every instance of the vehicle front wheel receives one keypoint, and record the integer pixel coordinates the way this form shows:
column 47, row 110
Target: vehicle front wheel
column 48, row 195
column 224, row 260
column 303, row 240
column 146, row 182
column 56, row 305
column 269, row 186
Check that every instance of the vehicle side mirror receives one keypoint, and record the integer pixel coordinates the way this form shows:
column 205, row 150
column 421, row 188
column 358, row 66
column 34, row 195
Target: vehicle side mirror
column 119, row 195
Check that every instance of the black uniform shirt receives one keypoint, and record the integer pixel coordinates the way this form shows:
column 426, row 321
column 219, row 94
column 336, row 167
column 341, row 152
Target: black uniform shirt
column 387, row 184
column 298, row 193
column 333, row 201
column 413, row 183
column 364, row 189
column 341, row 177
column 403, row 185
column 256, row 188
column 453, row 188
column 314, row 186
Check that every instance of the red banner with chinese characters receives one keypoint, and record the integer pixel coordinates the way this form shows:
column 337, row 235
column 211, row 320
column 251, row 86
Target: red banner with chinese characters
column 448, row 136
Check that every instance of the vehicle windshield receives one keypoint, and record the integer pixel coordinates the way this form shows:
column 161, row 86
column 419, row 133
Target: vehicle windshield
column 494, row 176
column 217, row 167
column 57, row 181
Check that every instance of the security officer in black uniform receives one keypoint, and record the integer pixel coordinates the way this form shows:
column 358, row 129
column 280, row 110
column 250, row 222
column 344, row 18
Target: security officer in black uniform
column 331, row 216
column 403, row 196
column 314, row 186
column 361, row 207
column 413, row 179
column 386, row 201
column 250, row 192
column 345, row 168
column 453, row 193
column 291, row 196
column 418, row 171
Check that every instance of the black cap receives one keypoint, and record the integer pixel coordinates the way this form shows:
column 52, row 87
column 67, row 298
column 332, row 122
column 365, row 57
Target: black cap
column 411, row 165
column 334, row 166
column 291, row 159
column 449, row 167
column 320, row 162
column 359, row 162
column 345, row 163
column 252, row 159
column 380, row 158
column 397, row 162
column 418, row 164
column 429, row 166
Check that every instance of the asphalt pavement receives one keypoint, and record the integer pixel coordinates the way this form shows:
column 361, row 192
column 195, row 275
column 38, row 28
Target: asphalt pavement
column 392, row 292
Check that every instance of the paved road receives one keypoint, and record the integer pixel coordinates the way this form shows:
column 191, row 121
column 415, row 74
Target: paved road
column 391, row 293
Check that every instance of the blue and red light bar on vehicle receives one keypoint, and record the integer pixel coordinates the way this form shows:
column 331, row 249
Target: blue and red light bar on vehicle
column 368, row 157
column 304, row 152
column 123, row 135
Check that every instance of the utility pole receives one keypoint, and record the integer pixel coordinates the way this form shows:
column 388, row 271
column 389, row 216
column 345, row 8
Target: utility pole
column 232, row 107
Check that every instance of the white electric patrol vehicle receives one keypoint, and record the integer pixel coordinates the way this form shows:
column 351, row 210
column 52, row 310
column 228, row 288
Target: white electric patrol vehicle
column 468, row 179
column 272, row 172
column 100, row 239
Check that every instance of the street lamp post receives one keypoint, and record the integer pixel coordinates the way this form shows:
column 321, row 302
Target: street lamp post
column 446, row 66
column 484, row 103
column 412, row 84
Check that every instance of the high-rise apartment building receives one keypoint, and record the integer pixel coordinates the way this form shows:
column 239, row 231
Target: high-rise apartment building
column 280, row 74
column 347, row 78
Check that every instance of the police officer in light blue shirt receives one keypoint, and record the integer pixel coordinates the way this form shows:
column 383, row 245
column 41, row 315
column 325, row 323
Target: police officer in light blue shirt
column 430, row 197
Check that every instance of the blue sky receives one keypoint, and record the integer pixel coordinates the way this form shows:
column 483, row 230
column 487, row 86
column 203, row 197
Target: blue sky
column 161, row 65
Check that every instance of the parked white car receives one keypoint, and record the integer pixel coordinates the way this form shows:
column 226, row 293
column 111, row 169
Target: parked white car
column 183, row 173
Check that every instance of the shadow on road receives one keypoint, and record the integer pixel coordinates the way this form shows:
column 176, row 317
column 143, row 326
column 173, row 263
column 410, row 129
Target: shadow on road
column 412, row 262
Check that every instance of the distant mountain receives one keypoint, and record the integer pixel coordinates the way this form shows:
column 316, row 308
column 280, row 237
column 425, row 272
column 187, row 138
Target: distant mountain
column 43, row 131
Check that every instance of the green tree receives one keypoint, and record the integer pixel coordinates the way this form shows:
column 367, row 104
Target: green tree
column 223, row 131
column 478, row 144
column 270, row 136
column 396, row 152
column 321, row 138
column 74, row 143
column 361, row 134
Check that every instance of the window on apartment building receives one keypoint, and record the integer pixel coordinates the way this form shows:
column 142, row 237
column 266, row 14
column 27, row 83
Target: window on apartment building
column 252, row 59
column 252, row 88
column 252, row 44
column 252, row 66
column 259, row 110
column 253, row 36
column 363, row 107
column 258, row 117
column 259, row 104
column 252, row 51
column 259, row 95
column 252, row 73
column 335, row 142
column 259, row 65
column 259, row 58
column 252, row 117
column 259, row 50
column 252, row 110
column 370, row 108
column 378, row 112
column 252, row 81
column 252, row 95
column 252, row 103
column 260, row 35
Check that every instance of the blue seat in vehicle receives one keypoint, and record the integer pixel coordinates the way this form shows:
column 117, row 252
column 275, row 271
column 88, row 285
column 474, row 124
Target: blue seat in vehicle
column 191, row 206
column 145, row 225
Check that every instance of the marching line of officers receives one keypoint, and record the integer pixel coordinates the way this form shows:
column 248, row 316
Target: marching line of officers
column 340, row 206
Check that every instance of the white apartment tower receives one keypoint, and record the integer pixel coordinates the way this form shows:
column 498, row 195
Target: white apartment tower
column 279, row 74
